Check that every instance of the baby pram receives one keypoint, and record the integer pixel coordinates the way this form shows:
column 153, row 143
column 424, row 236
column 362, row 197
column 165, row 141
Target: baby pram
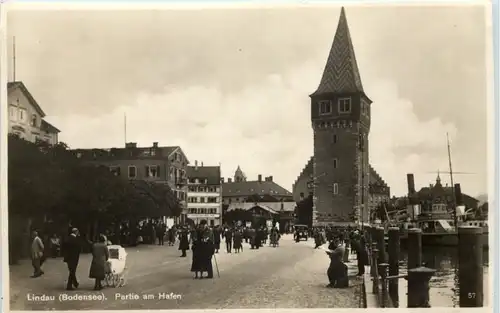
column 115, row 266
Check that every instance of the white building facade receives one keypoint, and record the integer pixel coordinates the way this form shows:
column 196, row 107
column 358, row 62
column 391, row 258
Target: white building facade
column 204, row 197
column 26, row 116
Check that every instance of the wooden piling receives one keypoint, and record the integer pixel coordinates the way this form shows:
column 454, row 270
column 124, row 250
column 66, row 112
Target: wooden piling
column 383, row 270
column 374, row 268
column 382, row 257
column 373, row 258
column 418, row 287
column 394, row 251
column 470, row 259
column 414, row 248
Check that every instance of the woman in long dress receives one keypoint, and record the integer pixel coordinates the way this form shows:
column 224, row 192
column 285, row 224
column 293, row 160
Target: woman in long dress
column 237, row 241
column 100, row 256
column 196, row 262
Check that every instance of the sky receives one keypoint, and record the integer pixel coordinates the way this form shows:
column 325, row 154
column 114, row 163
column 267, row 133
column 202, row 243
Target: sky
column 231, row 86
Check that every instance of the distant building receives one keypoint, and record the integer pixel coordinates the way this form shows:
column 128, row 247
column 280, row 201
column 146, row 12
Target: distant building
column 204, row 199
column 378, row 190
column 437, row 197
column 163, row 165
column 26, row 116
column 259, row 196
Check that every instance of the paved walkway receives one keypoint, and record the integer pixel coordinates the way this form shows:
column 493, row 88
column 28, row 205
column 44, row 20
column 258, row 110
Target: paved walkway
column 290, row 276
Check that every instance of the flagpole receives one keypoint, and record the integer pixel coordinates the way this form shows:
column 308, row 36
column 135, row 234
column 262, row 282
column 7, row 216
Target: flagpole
column 14, row 58
column 125, row 127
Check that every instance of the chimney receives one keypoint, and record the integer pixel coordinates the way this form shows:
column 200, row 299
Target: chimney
column 222, row 180
column 196, row 164
column 411, row 184
column 201, row 164
column 270, row 178
column 260, row 178
column 131, row 145
column 229, row 180
column 155, row 144
column 458, row 195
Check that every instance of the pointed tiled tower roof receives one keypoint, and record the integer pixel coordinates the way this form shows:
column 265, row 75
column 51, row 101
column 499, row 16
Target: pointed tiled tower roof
column 341, row 74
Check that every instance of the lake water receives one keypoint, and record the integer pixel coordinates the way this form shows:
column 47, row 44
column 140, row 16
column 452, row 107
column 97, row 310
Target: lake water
column 445, row 261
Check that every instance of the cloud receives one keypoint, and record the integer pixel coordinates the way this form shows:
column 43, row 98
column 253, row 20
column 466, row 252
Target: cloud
column 401, row 143
column 265, row 128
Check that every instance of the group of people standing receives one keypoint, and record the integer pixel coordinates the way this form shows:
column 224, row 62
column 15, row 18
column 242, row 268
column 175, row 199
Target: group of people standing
column 339, row 241
column 71, row 250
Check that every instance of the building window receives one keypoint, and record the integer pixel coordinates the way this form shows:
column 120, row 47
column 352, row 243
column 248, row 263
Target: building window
column 152, row 171
column 196, row 181
column 345, row 105
column 13, row 113
column 115, row 170
column 335, row 189
column 153, row 152
column 325, row 107
column 212, row 200
column 334, row 138
column 22, row 115
column 201, row 189
column 335, row 163
column 202, row 199
column 132, row 171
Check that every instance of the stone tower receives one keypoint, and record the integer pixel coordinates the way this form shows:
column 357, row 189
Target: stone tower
column 239, row 176
column 340, row 115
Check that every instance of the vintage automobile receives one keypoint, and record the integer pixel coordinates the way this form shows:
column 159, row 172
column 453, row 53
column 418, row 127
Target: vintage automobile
column 300, row 232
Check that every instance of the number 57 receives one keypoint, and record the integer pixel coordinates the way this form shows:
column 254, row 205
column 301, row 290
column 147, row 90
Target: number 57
column 471, row 295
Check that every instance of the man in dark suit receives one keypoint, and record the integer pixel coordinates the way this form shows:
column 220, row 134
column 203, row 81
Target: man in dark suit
column 71, row 257
column 228, row 235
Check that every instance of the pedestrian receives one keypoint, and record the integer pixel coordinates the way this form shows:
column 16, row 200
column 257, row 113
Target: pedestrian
column 337, row 271
column 55, row 246
column 72, row 250
column 160, row 233
column 37, row 255
column 237, row 241
column 196, row 248
column 359, row 246
column 217, row 234
column 228, row 235
column 183, row 242
column 317, row 239
column 206, row 244
column 100, row 255
column 171, row 236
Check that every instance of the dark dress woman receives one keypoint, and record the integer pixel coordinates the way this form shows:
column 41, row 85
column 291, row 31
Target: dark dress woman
column 217, row 239
column 197, row 251
column 100, row 256
column 237, row 241
column 183, row 242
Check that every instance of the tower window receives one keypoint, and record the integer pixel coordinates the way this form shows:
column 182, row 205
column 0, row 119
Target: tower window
column 335, row 189
column 335, row 163
column 334, row 138
column 325, row 107
column 344, row 105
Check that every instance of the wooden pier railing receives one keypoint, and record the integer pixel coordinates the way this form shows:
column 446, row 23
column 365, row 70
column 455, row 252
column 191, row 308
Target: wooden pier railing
column 385, row 275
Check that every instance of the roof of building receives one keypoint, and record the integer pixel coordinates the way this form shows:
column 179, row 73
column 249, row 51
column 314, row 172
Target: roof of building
column 249, row 188
column 25, row 91
column 211, row 173
column 131, row 152
column 49, row 128
column 341, row 73
column 375, row 177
